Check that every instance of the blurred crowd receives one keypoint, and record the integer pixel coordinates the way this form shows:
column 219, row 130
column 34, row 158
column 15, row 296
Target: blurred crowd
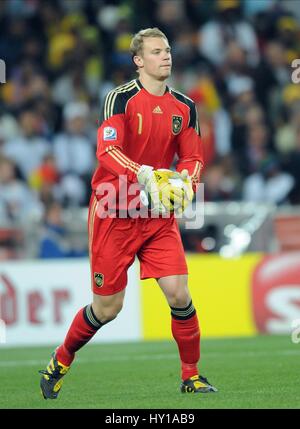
column 232, row 57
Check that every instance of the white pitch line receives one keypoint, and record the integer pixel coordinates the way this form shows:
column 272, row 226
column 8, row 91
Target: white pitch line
column 31, row 362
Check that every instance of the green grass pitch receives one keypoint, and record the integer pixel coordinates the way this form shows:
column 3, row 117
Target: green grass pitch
column 259, row 372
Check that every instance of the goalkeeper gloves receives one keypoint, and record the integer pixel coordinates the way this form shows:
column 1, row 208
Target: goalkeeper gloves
column 188, row 191
column 164, row 196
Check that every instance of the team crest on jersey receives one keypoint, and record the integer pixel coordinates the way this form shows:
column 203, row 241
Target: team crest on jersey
column 109, row 133
column 176, row 124
column 99, row 279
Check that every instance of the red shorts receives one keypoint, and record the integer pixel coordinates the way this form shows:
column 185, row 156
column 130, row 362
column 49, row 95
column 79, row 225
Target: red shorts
column 114, row 242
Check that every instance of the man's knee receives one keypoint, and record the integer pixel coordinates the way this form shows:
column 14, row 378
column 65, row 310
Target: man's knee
column 179, row 298
column 106, row 308
column 108, row 312
column 176, row 290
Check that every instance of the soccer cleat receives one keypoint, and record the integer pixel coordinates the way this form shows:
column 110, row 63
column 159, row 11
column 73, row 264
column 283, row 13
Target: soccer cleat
column 197, row 384
column 51, row 379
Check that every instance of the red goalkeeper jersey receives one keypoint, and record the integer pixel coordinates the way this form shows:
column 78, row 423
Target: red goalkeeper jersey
column 138, row 128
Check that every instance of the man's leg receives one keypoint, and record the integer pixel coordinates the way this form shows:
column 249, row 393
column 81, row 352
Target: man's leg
column 184, row 322
column 86, row 323
column 186, row 331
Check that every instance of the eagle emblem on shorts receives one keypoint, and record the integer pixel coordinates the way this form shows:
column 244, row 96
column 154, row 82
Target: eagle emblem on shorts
column 99, row 279
column 176, row 124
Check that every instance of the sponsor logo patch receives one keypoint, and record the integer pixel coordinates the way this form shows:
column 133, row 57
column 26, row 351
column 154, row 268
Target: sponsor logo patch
column 157, row 109
column 109, row 134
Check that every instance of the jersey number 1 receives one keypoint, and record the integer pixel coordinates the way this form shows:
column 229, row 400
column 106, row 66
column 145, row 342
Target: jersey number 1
column 140, row 118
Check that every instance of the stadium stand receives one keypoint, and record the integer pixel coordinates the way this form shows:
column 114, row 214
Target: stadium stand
column 232, row 57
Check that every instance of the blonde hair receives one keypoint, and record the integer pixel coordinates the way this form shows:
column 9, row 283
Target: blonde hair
column 136, row 45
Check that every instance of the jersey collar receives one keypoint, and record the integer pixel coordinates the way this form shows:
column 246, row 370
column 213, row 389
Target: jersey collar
column 138, row 82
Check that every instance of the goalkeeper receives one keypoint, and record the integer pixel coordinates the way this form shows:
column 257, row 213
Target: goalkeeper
column 144, row 125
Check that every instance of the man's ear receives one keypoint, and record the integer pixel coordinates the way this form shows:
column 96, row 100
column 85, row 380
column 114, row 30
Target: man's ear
column 138, row 61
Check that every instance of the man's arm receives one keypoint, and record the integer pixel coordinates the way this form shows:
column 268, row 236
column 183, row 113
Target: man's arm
column 190, row 149
column 110, row 138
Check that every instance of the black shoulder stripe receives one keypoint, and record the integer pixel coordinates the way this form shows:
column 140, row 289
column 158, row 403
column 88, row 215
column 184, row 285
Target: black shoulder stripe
column 116, row 100
column 193, row 122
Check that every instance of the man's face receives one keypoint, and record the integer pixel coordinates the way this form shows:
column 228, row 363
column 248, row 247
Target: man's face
column 155, row 60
